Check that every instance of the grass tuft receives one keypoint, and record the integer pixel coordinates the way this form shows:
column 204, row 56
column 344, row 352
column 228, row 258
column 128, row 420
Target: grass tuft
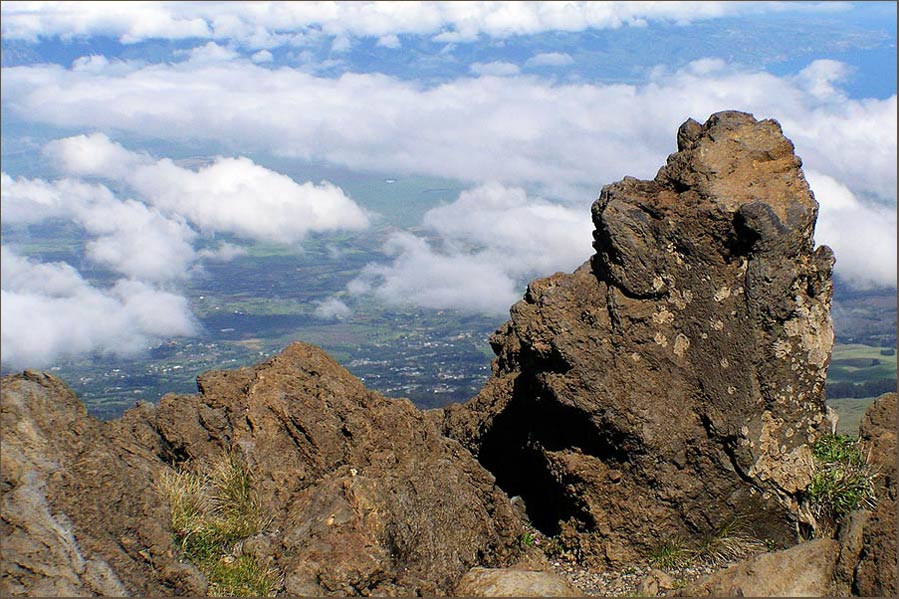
column 188, row 502
column 842, row 481
column 241, row 576
column 731, row 542
column 838, row 449
column 212, row 512
column 672, row 554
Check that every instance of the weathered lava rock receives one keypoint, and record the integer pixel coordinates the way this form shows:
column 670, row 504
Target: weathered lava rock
column 78, row 514
column 369, row 497
column 875, row 573
column 366, row 496
column 671, row 384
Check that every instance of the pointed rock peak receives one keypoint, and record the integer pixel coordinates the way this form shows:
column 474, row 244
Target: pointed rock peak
column 674, row 382
column 735, row 159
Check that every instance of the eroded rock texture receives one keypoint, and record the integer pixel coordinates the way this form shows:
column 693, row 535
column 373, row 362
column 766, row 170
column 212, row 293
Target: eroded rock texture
column 875, row 573
column 79, row 513
column 673, row 382
column 366, row 496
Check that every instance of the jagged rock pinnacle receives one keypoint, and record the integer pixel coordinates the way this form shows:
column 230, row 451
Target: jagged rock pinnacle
column 674, row 381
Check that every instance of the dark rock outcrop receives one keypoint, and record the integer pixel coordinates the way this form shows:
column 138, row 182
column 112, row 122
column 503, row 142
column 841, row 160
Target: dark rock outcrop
column 674, row 382
column 365, row 495
column 867, row 564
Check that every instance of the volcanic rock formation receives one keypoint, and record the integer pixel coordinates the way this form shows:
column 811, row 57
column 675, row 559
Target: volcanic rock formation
column 672, row 384
column 365, row 496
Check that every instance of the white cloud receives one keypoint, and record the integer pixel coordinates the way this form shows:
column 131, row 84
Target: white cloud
column 28, row 202
column 225, row 252
column 564, row 140
column 268, row 24
column 863, row 236
column 524, row 235
column 262, row 56
column 332, row 309
column 210, row 52
column 389, row 41
column 496, row 69
column 93, row 155
column 421, row 276
column 238, row 196
column 233, row 195
column 341, row 43
column 127, row 236
column 549, row 59
column 822, row 77
column 487, row 244
column 49, row 312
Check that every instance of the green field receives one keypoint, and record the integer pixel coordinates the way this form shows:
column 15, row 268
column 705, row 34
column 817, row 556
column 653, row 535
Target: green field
column 850, row 412
column 856, row 363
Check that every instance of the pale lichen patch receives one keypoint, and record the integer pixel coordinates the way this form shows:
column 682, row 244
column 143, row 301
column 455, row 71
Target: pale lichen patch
column 663, row 316
column 681, row 344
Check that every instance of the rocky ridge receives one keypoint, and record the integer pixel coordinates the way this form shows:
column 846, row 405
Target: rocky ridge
column 364, row 494
column 669, row 388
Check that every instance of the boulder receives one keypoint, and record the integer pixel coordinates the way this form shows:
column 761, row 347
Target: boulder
column 655, row 582
column 673, row 383
column 508, row 582
column 804, row 570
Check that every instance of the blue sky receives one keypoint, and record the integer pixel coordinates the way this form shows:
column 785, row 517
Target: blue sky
column 155, row 126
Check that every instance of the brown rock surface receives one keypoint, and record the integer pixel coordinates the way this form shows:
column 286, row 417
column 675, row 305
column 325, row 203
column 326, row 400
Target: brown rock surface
column 672, row 383
column 79, row 514
column 508, row 582
column 365, row 494
column 804, row 570
column 875, row 574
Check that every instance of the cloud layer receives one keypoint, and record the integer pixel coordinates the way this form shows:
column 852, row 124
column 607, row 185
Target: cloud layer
column 258, row 25
column 51, row 312
column 562, row 140
column 514, row 129
column 482, row 250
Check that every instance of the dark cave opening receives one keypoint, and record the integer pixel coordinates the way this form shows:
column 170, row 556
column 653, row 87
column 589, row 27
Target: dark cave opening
column 515, row 452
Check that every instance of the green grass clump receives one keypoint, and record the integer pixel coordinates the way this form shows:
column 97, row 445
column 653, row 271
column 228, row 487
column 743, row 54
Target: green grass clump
column 671, row 554
column 241, row 577
column 833, row 449
column 212, row 511
column 842, row 481
column 729, row 543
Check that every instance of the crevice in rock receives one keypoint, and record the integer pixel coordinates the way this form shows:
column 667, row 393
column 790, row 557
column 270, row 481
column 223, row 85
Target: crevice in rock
column 515, row 451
